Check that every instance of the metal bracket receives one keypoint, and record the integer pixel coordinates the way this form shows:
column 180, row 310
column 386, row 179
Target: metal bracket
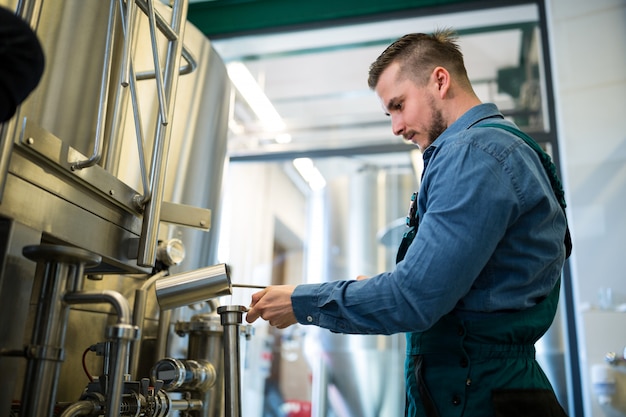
column 184, row 215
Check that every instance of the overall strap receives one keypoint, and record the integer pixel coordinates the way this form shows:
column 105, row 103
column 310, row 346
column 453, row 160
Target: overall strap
column 548, row 166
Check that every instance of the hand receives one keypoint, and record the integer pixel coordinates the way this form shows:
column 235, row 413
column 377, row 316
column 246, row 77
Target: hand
column 361, row 277
column 273, row 304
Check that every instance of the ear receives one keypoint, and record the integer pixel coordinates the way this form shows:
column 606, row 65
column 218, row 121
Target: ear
column 441, row 80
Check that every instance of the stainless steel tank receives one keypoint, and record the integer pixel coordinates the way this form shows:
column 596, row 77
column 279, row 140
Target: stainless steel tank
column 359, row 375
column 78, row 109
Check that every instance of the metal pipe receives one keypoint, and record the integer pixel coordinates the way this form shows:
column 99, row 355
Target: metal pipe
column 30, row 11
column 147, row 191
column 104, row 94
column 120, row 335
column 139, row 314
column 188, row 68
column 231, row 317
column 205, row 342
column 151, row 218
column 186, row 405
column 163, row 330
column 193, row 287
column 114, row 298
column 184, row 374
column 81, row 408
column 127, row 24
column 165, row 28
column 63, row 268
column 163, row 105
column 129, row 77
column 259, row 287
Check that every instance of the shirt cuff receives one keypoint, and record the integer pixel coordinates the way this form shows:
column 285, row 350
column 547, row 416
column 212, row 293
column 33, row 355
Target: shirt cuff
column 304, row 304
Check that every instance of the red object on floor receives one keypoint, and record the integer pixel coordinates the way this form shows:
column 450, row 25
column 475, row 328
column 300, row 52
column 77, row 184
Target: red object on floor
column 296, row 408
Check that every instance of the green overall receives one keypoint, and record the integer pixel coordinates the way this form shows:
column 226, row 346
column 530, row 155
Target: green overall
column 481, row 368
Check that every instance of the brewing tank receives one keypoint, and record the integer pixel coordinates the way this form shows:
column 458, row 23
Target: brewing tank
column 101, row 207
column 359, row 375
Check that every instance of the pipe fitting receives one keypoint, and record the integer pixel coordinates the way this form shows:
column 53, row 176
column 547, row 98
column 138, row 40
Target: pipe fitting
column 122, row 332
column 183, row 375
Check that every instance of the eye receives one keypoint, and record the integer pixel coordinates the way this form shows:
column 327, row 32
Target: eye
column 394, row 106
column 397, row 106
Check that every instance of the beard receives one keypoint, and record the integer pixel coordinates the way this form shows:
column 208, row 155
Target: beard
column 437, row 125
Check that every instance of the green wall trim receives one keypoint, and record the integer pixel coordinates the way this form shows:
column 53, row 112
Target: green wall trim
column 223, row 18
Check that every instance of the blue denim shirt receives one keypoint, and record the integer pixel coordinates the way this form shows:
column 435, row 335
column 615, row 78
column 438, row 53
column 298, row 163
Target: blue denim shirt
column 490, row 240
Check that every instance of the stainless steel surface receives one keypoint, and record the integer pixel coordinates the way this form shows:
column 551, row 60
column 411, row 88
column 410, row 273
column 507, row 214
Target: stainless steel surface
column 139, row 316
column 119, row 335
column 95, row 208
column 261, row 287
column 16, row 285
column 186, row 405
column 231, row 318
column 193, row 287
column 186, row 215
column 363, row 371
column 62, row 268
column 72, row 126
column 184, row 374
column 128, row 16
column 81, row 408
column 160, row 152
column 29, row 11
column 103, row 100
column 163, row 103
column 113, row 298
column 205, row 341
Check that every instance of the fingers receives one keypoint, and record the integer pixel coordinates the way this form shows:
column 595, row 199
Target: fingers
column 256, row 297
column 254, row 313
column 273, row 304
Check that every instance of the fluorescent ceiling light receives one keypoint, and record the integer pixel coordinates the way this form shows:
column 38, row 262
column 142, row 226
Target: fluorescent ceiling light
column 250, row 90
column 310, row 173
column 283, row 138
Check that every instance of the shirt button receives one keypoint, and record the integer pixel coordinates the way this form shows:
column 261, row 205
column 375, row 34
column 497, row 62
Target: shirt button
column 309, row 319
column 468, row 382
column 456, row 400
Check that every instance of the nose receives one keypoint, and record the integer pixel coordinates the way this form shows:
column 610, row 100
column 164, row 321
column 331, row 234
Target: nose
column 397, row 125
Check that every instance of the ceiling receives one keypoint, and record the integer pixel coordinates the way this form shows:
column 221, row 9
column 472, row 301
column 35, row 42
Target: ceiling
column 316, row 79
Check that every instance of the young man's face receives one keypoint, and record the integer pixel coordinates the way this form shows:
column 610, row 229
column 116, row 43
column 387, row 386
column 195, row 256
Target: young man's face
column 412, row 108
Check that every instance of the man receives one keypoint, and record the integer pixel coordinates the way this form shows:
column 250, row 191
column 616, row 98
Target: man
column 479, row 283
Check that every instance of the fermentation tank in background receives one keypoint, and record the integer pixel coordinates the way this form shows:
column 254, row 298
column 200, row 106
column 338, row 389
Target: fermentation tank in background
column 98, row 208
column 359, row 375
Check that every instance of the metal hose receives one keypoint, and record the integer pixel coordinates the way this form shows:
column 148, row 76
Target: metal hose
column 81, row 408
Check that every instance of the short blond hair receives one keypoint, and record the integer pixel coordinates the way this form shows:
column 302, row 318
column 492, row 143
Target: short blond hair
column 419, row 54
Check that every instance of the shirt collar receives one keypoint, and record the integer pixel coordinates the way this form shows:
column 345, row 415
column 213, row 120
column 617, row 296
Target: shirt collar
column 469, row 119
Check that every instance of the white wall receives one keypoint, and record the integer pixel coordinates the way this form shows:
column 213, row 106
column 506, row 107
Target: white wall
column 588, row 46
